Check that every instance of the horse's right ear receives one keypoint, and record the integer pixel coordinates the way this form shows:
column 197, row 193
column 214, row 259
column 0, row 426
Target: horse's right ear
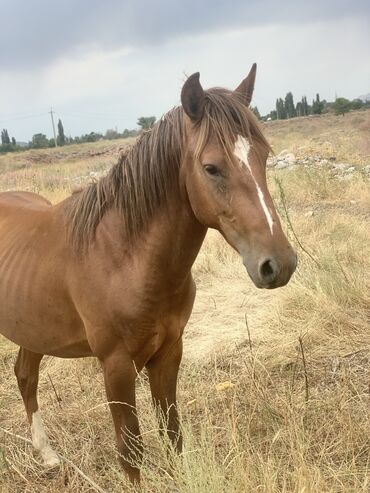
column 192, row 98
column 246, row 87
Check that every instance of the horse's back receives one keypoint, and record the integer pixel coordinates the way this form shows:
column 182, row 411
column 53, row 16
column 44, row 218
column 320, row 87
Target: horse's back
column 21, row 214
column 28, row 200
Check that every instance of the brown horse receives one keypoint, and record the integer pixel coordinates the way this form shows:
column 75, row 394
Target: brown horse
column 107, row 272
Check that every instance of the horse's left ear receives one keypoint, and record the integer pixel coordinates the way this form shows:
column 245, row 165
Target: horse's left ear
column 192, row 98
column 246, row 87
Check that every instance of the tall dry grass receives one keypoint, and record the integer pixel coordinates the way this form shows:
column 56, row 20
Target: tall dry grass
column 285, row 409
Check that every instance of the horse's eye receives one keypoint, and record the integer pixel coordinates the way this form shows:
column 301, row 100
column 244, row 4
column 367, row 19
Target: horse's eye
column 211, row 169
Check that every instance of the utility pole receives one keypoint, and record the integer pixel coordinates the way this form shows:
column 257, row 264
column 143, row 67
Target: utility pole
column 52, row 122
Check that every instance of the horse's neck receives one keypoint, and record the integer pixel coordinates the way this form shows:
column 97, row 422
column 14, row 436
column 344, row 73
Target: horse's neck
column 170, row 243
column 182, row 237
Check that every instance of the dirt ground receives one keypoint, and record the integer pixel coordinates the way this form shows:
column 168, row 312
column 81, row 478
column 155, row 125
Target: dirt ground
column 222, row 309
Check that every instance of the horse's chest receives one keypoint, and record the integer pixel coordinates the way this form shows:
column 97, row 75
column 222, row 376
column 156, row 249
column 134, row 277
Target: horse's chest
column 152, row 318
column 147, row 321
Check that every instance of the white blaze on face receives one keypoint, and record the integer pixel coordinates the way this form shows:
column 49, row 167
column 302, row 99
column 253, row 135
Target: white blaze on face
column 41, row 442
column 241, row 151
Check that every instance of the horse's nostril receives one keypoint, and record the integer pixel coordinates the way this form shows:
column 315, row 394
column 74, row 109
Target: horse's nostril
column 267, row 269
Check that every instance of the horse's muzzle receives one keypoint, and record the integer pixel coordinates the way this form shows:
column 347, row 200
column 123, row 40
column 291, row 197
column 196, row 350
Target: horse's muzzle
column 272, row 272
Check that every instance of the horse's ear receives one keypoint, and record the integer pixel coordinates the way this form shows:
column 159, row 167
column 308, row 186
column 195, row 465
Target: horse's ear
column 192, row 98
column 246, row 87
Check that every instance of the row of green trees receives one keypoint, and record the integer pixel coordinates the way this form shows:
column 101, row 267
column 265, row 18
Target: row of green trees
column 5, row 139
column 286, row 108
column 8, row 144
column 41, row 141
column 343, row 105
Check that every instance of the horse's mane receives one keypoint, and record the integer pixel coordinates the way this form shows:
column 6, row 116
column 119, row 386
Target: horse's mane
column 148, row 171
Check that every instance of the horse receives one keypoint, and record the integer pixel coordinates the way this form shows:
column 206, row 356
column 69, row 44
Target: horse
column 107, row 271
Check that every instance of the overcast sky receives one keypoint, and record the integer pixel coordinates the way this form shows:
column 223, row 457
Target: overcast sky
column 101, row 64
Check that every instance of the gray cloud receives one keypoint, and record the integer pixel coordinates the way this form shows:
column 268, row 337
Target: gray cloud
column 101, row 89
column 37, row 32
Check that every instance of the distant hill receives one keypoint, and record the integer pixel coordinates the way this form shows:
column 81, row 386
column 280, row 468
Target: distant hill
column 365, row 97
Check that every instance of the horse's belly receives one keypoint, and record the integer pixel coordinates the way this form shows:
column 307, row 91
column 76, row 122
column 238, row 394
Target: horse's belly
column 41, row 334
column 43, row 327
column 42, row 319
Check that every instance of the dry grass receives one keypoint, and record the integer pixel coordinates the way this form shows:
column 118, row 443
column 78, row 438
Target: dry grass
column 344, row 137
column 285, row 410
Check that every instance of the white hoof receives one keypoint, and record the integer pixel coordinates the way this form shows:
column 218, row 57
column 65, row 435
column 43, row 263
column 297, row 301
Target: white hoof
column 50, row 457
column 41, row 442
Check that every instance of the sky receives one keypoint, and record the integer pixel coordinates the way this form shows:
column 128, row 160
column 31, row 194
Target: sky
column 102, row 64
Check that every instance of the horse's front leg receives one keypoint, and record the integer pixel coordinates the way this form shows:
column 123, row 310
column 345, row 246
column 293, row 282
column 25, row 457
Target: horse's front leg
column 119, row 376
column 163, row 370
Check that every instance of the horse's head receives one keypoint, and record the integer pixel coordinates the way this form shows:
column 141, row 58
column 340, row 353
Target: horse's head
column 224, row 172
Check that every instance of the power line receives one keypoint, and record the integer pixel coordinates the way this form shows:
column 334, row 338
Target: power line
column 68, row 115
column 14, row 118
column 88, row 116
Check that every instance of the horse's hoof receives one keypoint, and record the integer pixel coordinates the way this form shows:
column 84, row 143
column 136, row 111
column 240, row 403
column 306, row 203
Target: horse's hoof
column 51, row 458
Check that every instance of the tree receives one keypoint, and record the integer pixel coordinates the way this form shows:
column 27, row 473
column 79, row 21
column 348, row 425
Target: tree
column 146, row 122
column 129, row 133
column 280, row 109
column 277, row 108
column 317, row 105
column 305, row 107
column 14, row 142
column 256, row 112
column 39, row 141
column 299, row 108
column 5, row 136
column 357, row 104
column 341, row 106
column 289, row 106
column 111, row 133
column 61, row 140
column 272, row 115
column 91, row 137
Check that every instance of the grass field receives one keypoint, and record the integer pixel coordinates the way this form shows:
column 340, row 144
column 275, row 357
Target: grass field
column 345, row 137
column 274, row 388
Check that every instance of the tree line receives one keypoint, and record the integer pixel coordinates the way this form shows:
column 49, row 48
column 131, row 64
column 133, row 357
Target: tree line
column 41, row 141
column 286, row 108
